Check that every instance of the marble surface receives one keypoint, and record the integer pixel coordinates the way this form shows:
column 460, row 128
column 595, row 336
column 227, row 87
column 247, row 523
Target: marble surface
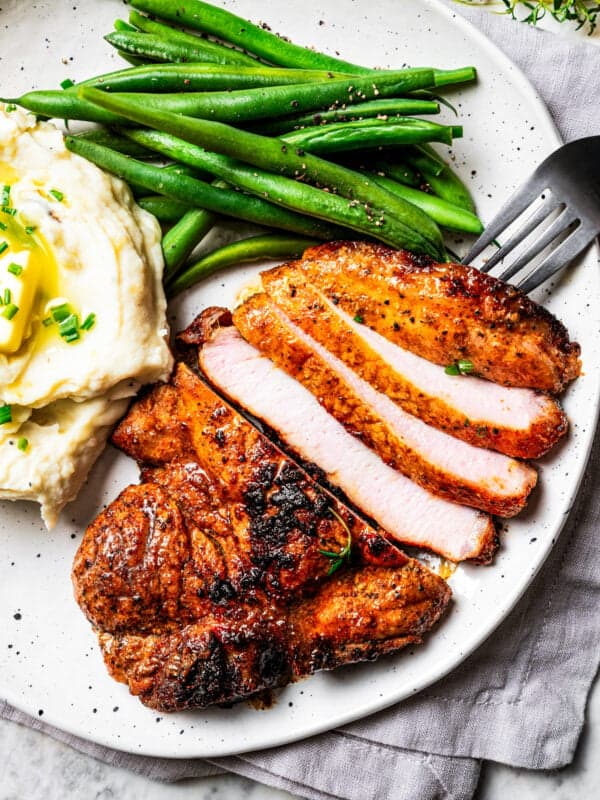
column 35, row 767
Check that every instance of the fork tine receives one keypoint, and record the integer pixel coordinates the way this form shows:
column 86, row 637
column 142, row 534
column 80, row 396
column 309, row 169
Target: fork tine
column 559, row 226
column 508, row 213
column 530, row 225
column 559, row 258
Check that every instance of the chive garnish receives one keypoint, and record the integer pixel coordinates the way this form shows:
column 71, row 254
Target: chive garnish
column 461, row 367
column 15, row 269
column 22, row 444
column 3, row 247
column 68, row 325
column 29, row 229
column 7, row 296
column 5, row 196
column 57, row 195
column 10, row 310
column 3, row 226
column 359, row 319
column 66, row 84
column 47, row 322
column 5, row 414
column 88, row 322
column 71, row 337
column 9, row 210
column 61, row 312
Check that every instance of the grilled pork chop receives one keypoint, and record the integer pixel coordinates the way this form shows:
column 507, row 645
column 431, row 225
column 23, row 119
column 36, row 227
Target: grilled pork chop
column 409, row 513
column 521, row 423
column 209, row 581
column 446, row 312
column 437, row 461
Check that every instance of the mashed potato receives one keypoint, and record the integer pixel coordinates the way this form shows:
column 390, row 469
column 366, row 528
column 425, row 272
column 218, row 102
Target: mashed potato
column 82, row 264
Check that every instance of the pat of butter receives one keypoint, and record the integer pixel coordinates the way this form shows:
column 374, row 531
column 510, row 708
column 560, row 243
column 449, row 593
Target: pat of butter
column 22, row 289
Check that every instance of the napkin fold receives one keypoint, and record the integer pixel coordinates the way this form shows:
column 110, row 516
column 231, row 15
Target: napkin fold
column 520, row 699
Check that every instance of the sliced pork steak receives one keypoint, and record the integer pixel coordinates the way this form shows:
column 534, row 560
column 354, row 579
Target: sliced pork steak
column 521, row 423
column 446, row 312
column 437, row 461
column 408, row 512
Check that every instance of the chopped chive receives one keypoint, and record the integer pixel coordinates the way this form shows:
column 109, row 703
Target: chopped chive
column 10, row 107
column 47, row 322
column 9, row 210
column 5, row 414
column 10, row 310
column 3, row 247
column 15, row 269
column 465, row 366
column 88, row 322
column 68, row 325
column 22, row 444
column 5, row 196
column 7, row 296
column 57, row 195
column 72, row 337
column 452, row 369
column 61, row 312
column 359, row 319
column 3, row 226
column 66, row 84
column 29, row 229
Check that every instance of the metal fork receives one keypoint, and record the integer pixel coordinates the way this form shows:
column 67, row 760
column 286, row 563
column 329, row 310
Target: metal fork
column 568, row 181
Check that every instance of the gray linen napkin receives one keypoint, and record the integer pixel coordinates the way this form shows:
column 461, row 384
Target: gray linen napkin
column 520, row 699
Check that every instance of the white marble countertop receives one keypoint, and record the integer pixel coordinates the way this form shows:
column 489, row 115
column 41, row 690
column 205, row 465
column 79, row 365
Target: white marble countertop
column 35, row 767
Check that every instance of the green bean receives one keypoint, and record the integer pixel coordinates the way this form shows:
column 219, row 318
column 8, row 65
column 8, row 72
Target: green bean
column 225, row 25
column 256, row 248
column 403, row 173
column 446, row 77
column 180, row 37
column 201, row 195
column 165, row 209
column 184, row 236
column 121, row 25
column 444, row 213
column 115, row 141
column 446, row 183
column 58, row 104
column 276, row 101
column 155, row 48
column 426, row 161
column 388, row 217
column 170, row 169
column 283, row 191
column 211, row 77
column 346, row 136
column 389, row 107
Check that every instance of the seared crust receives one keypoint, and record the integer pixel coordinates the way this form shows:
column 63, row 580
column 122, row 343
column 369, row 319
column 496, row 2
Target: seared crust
column 308, row 308
column 447, row 312
column 261, row 326
column 199, row 581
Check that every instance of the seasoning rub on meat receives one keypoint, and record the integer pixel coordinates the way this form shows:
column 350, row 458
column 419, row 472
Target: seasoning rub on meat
column 226, row 571
column 408, row 512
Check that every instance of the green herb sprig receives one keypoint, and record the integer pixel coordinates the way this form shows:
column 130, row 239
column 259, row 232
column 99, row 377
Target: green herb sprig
column 461, row 367
column 582, row 12
column 343, row 555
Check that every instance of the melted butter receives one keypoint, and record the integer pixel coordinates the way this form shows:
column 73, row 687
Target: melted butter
column 43, row 266
column 446, row 568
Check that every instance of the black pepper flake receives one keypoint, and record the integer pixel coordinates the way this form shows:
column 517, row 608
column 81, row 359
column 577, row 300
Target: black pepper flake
column 17, row 616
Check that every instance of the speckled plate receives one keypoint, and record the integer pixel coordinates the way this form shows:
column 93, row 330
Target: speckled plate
column 50, row 664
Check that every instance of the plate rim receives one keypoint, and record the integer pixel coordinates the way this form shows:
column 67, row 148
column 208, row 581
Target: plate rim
column 435, row 672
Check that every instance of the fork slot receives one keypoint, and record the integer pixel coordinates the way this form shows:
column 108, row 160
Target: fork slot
column 568, row 250
column 558, row 227
column 515, row 206
column 539, row 215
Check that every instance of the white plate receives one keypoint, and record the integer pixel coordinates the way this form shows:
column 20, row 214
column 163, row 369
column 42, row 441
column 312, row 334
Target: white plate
column 49, row 661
